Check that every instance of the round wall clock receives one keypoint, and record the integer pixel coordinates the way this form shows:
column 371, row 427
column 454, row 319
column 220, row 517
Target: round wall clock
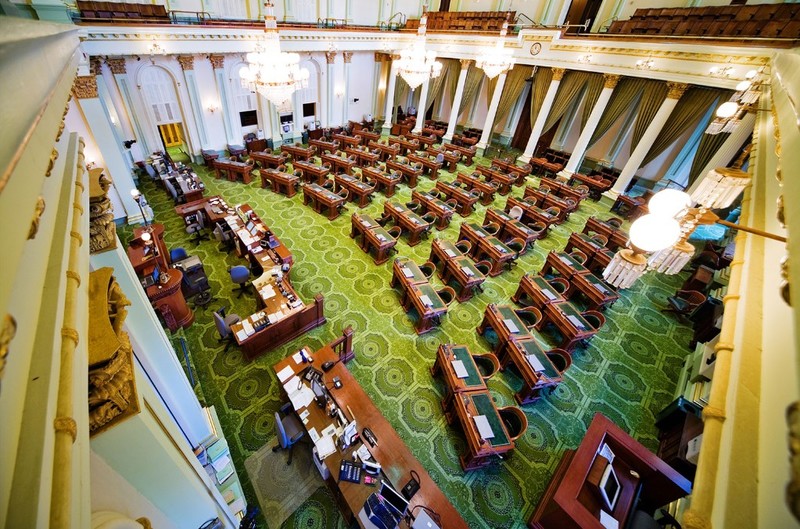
column 536, row 48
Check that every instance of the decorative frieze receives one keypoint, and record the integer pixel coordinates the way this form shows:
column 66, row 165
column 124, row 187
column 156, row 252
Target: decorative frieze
column 347, row 55
column 217, row 61
column 85, row 87
column 117, row 65
column 676, row 90
column 330, row 56
column 102, row 229
column 96, row 65
column 186, row 62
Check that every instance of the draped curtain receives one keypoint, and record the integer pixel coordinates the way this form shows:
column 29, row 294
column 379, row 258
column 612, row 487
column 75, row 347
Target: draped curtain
column 436, row 85
column 471, row 86
column 570, row 88
column 625, row 96
column 451, row 84
column 400, row 89
column 594, row 86
column 709, row 145
column 515, row 81
column 653, row 95
column 490, row 85
column 690, row 109
column 541, row 83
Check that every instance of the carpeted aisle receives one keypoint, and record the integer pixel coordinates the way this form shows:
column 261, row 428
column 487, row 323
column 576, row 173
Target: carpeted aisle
column 628, row 372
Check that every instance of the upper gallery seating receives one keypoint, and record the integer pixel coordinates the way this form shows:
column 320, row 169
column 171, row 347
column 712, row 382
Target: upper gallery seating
column 121, row 12
column 491, row 21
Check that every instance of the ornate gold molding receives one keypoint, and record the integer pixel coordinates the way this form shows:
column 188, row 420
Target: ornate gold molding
column 117, row 65
column 676, row 90
column 793, row 487
column 558, row 73
column 96, row 66
column 53, row 157
column 102, row 229
column 186, row 62
column 85, row 87
column 8, row 329
column 465, row 63
column 68, row 425
column 63, row 121
column 217, row 61
column 610, row 80
column 347, row 55
column 330, row 56
column 745, row 60
column 37, row 217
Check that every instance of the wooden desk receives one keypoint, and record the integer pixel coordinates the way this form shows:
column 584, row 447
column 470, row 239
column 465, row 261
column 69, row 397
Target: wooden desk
column 466, row 141
column 617, row 237
column 485, row 189
column 423, row 139
column 486, row 246
column 599, row 293
column 145, row 257
column 570, row 501
column 431, row 204
column 600, row 261
column 268, row 160
column 531, row 212
column 322, row 200
column 467, row 277
column 564, row 264
column 464, row 198
column 405, row 144
column 504, row 180
column 405, row 272
column 466, row 152
column 564, row 191
column 429, row 306
column 511, row 228
column 409, row 221
column 255, row 145
column 384, row 181
column 364, row 156
column 448, row 353
column 479, row 452
column 429, row 164
column 393, row 455
column 517, row 352
column 503, row 320
column 339, row 162
column 452, row 158
column 596, row 184
column 311, row 173
column 409, row 172
column 324, row 146
column 584, row 243
column 510, row 166
column 373, row 237
column 231, row 169
column 436, row 131
column 569, row 322
column 386, row 151
column 214, row 208
column 538, row 289
column 283, row 183
column 367, row 135
column 346, row 140
column 298, row 152
column 186, row 183
column 359, row 191
column 548, row 200
column 441, row 251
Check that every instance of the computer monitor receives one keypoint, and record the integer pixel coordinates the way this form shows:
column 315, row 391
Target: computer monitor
column 319, row 392
column 393, row 498
column 249, row 226
column 609, row 487
column 156, row 275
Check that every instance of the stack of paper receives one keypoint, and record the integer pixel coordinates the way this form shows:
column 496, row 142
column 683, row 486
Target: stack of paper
column 535, row 363
column 426, row 301
column 407, row 272
column 286, row 372
column 458, row 367
column 484, row 428
column 511, row 326
column 450, row 253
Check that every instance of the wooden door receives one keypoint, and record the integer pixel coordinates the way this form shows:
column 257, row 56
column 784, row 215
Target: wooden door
column 172, row 134
column 523, row 132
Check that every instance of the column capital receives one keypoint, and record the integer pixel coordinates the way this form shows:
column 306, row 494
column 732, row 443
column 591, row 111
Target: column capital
column 85, row 87
column 465, row 63
column 330, row 56
column 347, row 55
column 676, row 90
column 395, row 56
column 382, row 57
column 217, row 61
column 610, row 80
column 186, row 62
column 96, row 66
column 117, row 65
column 558, row 73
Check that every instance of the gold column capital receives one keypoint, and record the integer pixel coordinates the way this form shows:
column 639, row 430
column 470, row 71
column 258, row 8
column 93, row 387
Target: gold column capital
column 610, row 80
column 217, row 61
column 676, row 90
column 186, row 62
column 330, row 56
column 96, row 65
column 85, row 87
column 558, row 73
column 381, row 57
column 347, row 56
column 117, row 65
column 465, row 63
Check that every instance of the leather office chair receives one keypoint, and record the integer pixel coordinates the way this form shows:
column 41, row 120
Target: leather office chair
column 644, row 520
column 515, row 421
column 614, row 221
column 492, row 228
column 516, row 245
column 224, row 237
column 194, row 227
column 539, row 228
column 559, row 284
column 451, row 203
column 464, row 246
column 223, row 324
column 289, row 430
column 428, row 269
column 383, row 220
column 602, row 240
column 560, row 358
column 578, row 256
column 487, row 364
column 583, row 189
column 345, row 194
column 173, row 192
column 530, row 316
column 413, row 205
column 240, row 275
column 515, row 212
column 596, row 320
column 553, row 211
column 684, row 302
column 177, row 254
column 447, row 294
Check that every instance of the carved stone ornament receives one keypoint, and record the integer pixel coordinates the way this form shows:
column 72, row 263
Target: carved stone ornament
column 37, row 217
column 558, row 73
column 676, row 90
column 610, row 80
column 330, row 56
column 117, row 65
column 217, row 61
column 347, row 56
column 53, row 155
column 85, row 87
column 784, row 288
column 112, row 388
column 8, row 328
column 793, row 487
column 465, row 63
column 96, row 66
column 186, row 61
column 102, row 229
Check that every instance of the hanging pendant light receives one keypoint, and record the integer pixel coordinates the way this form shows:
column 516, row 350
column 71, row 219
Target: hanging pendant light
column 416, row 64
column 496, row 59
column 625, row 268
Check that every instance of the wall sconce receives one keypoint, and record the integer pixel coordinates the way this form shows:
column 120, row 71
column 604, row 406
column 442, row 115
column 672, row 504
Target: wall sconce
column 339, row 92
column 212, row 107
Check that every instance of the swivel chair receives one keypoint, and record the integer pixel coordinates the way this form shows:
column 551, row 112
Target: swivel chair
column 240, row 275
column 289, row 430
column 515, row 421
column 487, row 364
column 223, row 324
column 177, row 254
column 685, row 302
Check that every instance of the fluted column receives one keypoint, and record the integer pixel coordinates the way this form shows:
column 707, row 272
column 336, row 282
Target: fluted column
column 462, row 79
column 218, row 63
column 489, row 123
column 348, row 55
column 675, row 92
column 579, row 151
column 380, row 58
column 387, row 118
column 117, row 67
column 541, row 117
column 330, row 57
column 297, row 116
column 423, row 103
column 187, row 65
column 85, row 91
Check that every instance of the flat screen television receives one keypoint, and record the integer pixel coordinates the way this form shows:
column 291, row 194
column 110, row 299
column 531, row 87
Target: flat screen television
column 248, row 118
column 609, row 487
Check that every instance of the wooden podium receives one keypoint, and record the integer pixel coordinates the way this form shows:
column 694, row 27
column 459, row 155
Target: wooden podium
column 572, row 502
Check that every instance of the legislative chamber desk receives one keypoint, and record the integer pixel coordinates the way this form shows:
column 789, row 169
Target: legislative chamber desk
column 429, row 164
column 596, row 184
column 503, row 320
column 431, row 204
column 409, row 221
column 549, row 200
column 360, row 192
column 563, row 190
column 534, row 380
column 268, row 160
column 617, row 237
column 531, row 212
column 464, row 198
column 456, row 267
column 448, row 353
column 386, row 182
column 298, row 152
column 310, row 172
column 365, row 157
column 473, row 183
column 231, row 169
column 406, row 145
column 373, row 237
column 391, row 452
column 322, row 200
column 323, row 145
column 466, row 152
column 538, row 290
column 563, row 263
column 510, row 167
column 387, row 151
column 599, row 293
column 572, row 502
column 569, row 322
column 479, row 452
column 511, row 228
column 504, row 180
column 339, row 163
column 350, row 141
column 409, row 172
column 451, row 157
column 486, row 246
column 283, row 183
column 419, row 293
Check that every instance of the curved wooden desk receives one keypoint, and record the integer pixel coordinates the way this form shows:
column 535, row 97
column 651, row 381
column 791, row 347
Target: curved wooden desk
column 168, row 300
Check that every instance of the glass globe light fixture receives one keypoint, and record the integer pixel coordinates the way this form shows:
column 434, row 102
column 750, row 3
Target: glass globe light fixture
column 669, row 203
column 651, row 233
column 727, row 109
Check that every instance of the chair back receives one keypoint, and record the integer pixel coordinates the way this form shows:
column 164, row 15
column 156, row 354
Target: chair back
column 560, row 284
column 515, row 421
column 560, row 358
column 464, row 246
column 447, row 294
column 280, row 431
column 222, row 328
column 595, row 318
column 177, row 254
column 428, row 269
column 239, row 274
column 530, row 316
column 484, row 267
column 171, row 188
column 487, row 364
column 515, row 212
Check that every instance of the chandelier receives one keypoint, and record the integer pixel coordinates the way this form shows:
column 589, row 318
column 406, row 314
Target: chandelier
column 731, row 113
column 417, row 64
column 496, row 59
column 274, row 74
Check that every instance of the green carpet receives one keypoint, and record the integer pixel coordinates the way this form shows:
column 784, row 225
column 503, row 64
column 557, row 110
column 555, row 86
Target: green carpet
column 628, row 372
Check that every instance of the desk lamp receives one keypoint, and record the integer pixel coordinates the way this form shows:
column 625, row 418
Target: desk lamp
column 139, row 198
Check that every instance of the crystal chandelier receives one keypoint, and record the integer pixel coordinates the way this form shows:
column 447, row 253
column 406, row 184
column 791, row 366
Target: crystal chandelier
column 274, row 74
column 416, row 64
column 496, row 59
column 731, row 113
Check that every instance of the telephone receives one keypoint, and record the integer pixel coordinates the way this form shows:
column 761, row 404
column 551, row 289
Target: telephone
column 312, row 374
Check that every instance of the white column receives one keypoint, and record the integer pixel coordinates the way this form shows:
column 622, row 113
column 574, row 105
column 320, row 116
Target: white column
column 121, row 77
column 376, row 85
column 275, row 123
column 218, row 63
column 514, row 115
column 387, row 118
column 288, row 10
column 187, row 65
column 676, row 90
column 103, row 133
column 423, row 103
column 578, row 152
column 330, row 57
column 541, row 117
column 728, row 149
column 489, row 123
column 297, row 116
column 348, row 55
column 456, row 106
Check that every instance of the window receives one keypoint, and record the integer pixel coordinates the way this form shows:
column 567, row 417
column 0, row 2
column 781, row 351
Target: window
column 159, row 95
column 243, row 98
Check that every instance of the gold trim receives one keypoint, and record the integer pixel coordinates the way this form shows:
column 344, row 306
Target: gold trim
column 558, row 73
column 38, row 210
column 347, row 55
column 330, row 56
column 217, row 61
column 68, row 425
column 8, row 330
column 85, row 87
column 186, row 62
column 117, row 65
column 53, row 155
column 676, row 90
column 610, row 80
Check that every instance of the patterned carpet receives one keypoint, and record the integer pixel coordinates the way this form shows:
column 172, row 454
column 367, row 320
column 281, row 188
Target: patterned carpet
column 628, row 372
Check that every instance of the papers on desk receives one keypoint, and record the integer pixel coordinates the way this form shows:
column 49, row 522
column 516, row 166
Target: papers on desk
column 548, row 294
column 458, row 367
column 297, row 357
column 408, row 273
column 608, row 521
column 500, row 248
column 285, row 373
column 450, row 253
column 564, row 259
column 268, row 292
column 426, row 301
column 534, row 363
column 467, row 271
column 312, row 433
column 484, row 429
column 325, row 446
column 300, row 396
column 511, row 326
column 381, row 238
column 481, row 234
column 241, row 335
column 221, row 463
column 575, row 321
column 248, row 327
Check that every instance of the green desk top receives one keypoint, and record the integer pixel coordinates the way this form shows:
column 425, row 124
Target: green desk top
column 381, row 234
column 416, row 274
column 507, row 313
column 573, row 315
column 546, row 288
column 600, row 285
column 367, row 221
column 465, row 263
column 570, row 261
column 322, row 191
column 427, row 290
column 531, row 347
column 477, row 228
column 485, row 406
column 474, row 379
column 498, row 245
column 446, row 245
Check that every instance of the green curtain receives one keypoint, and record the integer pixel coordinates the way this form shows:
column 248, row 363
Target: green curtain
column 593, row 88
column 569, row 89
column 541, row 83
column 490, row 85
column 451, row 84
column 653, row 95
column 625, row 96
column 436, row 85
column 690, row 109
column 471, row 86
column 401, row 88
column 709, row 145
column 515, row 81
